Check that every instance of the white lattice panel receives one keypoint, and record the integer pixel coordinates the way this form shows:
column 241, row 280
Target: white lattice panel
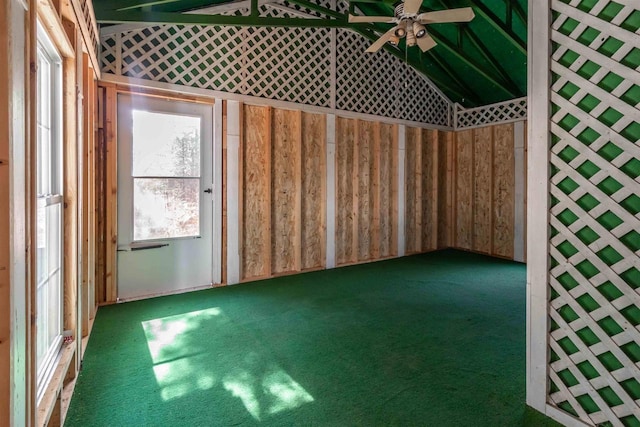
column 296, row 10
column 502, row 112
column 87, row 13
column 205, row 57
column 109, row 55
column 288, row 64
column 594, row 249
column 382, row 84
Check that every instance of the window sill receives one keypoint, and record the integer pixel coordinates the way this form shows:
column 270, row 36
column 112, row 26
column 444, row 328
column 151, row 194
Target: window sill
column 50, row 406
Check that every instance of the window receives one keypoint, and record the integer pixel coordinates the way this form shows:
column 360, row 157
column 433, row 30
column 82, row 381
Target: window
column 49, row 211
column 166, row 175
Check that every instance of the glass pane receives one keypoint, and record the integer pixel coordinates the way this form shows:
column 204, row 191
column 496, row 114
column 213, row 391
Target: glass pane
column 165, row 145
column 44, row 79
column 53, row 316
column 165, row 208
column 54, row 222
column 44, row 161
column 49, row 291
column 41, row 347
column 42, row 243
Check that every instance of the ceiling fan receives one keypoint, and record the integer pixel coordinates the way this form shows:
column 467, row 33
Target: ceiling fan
column 411, row 24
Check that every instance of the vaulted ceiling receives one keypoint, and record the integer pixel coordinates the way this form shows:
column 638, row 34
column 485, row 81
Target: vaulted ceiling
column 476, row 63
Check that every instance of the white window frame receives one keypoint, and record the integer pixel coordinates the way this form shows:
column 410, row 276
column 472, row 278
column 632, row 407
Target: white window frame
column 52, row 195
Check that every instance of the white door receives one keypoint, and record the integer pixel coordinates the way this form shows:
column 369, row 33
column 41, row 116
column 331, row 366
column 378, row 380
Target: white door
column 165, row 196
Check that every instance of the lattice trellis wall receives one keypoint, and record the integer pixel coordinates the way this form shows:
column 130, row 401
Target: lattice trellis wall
column 502, row 112
column 595, row 211
column 89, row 19
column 288, row 64
column 383, row 85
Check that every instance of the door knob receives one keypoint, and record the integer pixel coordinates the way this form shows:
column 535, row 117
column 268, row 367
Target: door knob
column 208, row 190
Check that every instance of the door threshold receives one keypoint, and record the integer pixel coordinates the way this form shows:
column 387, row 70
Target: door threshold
column 166, row 293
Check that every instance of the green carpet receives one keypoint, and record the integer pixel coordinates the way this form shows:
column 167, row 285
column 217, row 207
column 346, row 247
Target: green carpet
column 433, row 340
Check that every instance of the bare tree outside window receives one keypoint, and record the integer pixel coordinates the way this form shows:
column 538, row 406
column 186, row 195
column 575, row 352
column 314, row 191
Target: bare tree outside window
column 167, row 179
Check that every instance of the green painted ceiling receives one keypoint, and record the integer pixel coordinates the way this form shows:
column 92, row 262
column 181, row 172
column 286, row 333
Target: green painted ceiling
column 477, row 63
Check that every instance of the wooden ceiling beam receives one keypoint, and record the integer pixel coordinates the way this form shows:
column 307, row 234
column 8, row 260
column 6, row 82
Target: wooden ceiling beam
column 501, row 27
column 462, row 56
column 158, row 18
column 519, row 11
column 141, row 4
column 491, row 60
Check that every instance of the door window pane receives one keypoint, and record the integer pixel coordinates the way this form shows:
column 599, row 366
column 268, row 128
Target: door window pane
column 166, row 208
column 166, row 175
column 165, row 145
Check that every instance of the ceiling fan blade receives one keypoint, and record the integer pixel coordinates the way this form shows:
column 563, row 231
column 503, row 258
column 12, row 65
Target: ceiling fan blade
column 464, row 14
column 364, row 18
column 425, row 43
column 411, row 7
column 381, row 41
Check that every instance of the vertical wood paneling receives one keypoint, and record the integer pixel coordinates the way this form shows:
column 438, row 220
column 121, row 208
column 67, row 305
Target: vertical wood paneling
column 285, row 191
column 503, row 191
column 410, row 191
column 365, row 188
column 445, row 189
column 111, row 195
column 483, row 189
column 413, row 191
column 88, row 232
column 345, row 140
column 374, row 178
column 464, row 189
column 388, row 198
column 314, row 139
column 101, row 210
column 256, row 206
column 429, row 190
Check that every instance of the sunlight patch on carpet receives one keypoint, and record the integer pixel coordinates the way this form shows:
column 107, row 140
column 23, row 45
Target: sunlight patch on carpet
column 266, row 390
column 180, row 348
column 178, row 358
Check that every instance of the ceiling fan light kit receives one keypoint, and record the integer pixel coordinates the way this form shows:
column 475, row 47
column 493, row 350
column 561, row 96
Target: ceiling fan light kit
column 419, row 30
column 401, row 29
column 410, row 23
column 411, row 38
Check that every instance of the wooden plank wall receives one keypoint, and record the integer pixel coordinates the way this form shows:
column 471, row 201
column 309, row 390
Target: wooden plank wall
column 484, row 190
column 314, row 128
column 458, row 191
column 444, row 161
column 366, row 195
column 256, row 196
column 283, row 192
column 425, row 190
column 388, row 190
